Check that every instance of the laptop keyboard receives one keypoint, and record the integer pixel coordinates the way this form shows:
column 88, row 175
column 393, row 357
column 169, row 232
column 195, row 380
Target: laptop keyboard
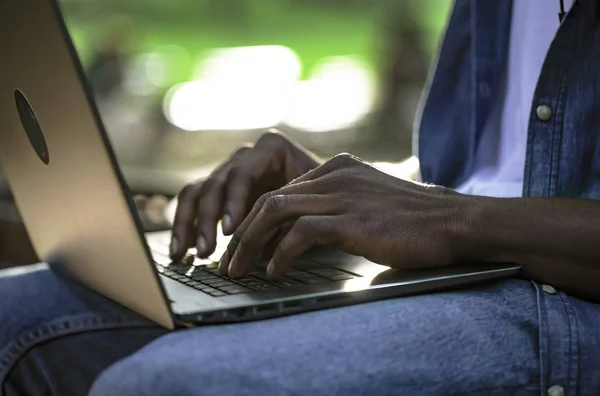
column 206, row 278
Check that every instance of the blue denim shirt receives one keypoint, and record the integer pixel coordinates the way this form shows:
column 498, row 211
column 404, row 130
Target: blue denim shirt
column 563, row 154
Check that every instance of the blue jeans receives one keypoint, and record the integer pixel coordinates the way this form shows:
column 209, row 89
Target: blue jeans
column 505, row 337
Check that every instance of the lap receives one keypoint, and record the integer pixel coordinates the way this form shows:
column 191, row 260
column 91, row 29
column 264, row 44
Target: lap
column 481, row 341
column 51, row 326
column 501, row 338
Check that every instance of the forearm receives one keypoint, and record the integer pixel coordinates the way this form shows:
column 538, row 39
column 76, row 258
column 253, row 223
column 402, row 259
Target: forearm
column 557, row 240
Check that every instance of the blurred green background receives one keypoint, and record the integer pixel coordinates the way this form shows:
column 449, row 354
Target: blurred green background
column 356, row 69
column 313, row 29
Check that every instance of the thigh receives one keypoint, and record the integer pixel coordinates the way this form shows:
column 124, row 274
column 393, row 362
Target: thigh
column 481, row 341
column 56, row 336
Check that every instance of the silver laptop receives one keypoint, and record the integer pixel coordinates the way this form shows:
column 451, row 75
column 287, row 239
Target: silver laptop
column 81, row 219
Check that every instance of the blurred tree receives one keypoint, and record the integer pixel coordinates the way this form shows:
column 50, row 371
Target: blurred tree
column 403, row 70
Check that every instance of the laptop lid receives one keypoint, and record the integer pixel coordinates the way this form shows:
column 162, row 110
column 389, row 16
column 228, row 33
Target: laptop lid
column 61, row 169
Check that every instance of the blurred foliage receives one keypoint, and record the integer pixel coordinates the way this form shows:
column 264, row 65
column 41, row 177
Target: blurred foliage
column 314, row 29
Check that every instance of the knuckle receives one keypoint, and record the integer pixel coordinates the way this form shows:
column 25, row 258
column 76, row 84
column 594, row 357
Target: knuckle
column 212, row 182
column 263, row 198
column 259, row 203
column 344, row 160
column 306, row 225
column 270, row 138
column 338, row 176
column 274, row 204
column 241, row 150
column 441, row 191
column 238, row 173
column 188, row 191
column 344, row 157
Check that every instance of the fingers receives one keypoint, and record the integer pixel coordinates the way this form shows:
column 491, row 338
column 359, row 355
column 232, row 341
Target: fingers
column 306, row 232
column 311, row 187
column 249, row 241
column 240, row 181
column 339, row 162
column 208, row 211
column 183, row 224
column 199, row 208
column 281, row 232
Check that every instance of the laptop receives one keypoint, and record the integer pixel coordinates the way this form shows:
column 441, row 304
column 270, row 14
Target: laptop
column 81, row 219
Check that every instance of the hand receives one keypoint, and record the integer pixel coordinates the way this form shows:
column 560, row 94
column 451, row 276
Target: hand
column 356, row 208
column 231, row 190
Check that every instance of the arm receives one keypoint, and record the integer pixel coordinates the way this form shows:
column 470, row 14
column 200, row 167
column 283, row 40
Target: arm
column 355, row 207
column 557, row 240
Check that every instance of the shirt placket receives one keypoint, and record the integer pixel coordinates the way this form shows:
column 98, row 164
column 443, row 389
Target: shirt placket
column 547, row 111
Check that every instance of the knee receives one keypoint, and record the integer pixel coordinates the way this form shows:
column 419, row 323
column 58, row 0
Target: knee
column 182, row 364
column 26, row 296
column 125, row 380
column 36, row 304
column 155, row 377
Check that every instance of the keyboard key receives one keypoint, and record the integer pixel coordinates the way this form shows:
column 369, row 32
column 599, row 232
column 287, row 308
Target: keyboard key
column 193, row 283
column 251, row 281
column 341, row 277
column 176, row 276
column 286, row 282
column 307, row 265
column 256, row 273
column 209, row 290
column 235, row 289
column 263, row 287
column 245, row 279
column 325, row 271
column 200, row 276
column 218, row 294
column 211, row 281
column 332, row 274
column 223, row 283
column 181, row 270
column 295, row 273
column 311, row 279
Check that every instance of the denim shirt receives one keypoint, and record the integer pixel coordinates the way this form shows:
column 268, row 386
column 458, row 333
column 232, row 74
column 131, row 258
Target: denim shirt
column 563, row 153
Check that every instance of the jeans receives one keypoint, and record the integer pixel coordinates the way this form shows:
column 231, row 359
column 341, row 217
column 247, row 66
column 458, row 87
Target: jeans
column 508, row 337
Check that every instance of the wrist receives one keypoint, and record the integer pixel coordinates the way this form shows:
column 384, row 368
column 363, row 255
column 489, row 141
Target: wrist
column 471, row 231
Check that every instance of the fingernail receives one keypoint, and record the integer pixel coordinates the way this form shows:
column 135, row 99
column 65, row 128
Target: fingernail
column 271, row 268
column 201, row 246
column 174, row 247
column 227, row 223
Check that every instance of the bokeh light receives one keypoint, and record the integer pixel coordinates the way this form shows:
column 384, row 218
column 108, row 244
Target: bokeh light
column 338, row 94
column 237, row 89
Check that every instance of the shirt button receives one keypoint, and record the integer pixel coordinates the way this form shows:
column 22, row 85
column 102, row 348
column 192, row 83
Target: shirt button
column 556, row 390
column 543, row 112
column 549, row 289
